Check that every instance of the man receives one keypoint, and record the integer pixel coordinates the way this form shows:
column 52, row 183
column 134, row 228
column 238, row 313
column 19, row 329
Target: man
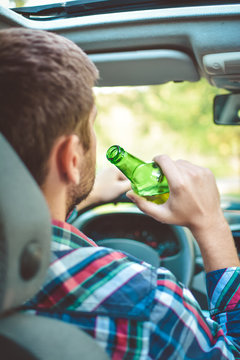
column 133, row 310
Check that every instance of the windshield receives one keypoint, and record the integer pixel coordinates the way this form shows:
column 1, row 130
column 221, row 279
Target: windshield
column 37, row 9
column 137, row 3
column 174, row 119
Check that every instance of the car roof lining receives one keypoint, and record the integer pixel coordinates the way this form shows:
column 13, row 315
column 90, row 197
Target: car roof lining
column 195, row 31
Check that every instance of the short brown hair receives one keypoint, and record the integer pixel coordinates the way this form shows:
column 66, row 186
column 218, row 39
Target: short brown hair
column 45, row 91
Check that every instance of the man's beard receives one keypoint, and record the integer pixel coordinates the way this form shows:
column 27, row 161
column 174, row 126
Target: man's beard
column 87, row 168
column 78, row 193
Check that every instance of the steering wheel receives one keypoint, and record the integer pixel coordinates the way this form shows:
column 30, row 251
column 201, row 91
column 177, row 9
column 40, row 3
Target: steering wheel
column 181, row 264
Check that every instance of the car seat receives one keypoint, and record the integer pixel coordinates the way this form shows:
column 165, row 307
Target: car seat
column 25, row 235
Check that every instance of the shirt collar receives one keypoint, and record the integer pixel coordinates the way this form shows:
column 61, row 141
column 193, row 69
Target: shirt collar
column 66, row 234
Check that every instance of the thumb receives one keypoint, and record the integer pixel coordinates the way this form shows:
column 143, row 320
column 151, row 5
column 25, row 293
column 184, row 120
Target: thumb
column 158, row 212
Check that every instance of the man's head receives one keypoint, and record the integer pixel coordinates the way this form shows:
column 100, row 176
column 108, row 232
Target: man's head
column 45, row 92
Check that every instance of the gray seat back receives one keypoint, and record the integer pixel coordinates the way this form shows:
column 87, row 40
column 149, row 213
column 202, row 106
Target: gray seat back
column 25, row 231
column 25, row 235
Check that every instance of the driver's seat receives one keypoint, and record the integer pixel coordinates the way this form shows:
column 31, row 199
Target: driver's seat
column 25, row 235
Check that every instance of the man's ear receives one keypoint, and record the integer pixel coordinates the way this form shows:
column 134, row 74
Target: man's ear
column 68, row 157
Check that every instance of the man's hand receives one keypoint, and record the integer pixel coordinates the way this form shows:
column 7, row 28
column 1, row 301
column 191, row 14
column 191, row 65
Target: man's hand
column 109, row 184
column 193, row 199
column 194, row 202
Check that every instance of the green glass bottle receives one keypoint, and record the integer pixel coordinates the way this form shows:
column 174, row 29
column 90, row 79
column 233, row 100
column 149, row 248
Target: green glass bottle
column 147, row 179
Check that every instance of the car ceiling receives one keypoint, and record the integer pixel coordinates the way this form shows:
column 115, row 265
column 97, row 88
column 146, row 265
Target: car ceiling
column 154, row 46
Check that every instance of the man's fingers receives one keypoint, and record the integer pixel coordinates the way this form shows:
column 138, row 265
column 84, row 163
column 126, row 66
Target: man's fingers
column 169, row 169
column 124, row 185
column 158, row 212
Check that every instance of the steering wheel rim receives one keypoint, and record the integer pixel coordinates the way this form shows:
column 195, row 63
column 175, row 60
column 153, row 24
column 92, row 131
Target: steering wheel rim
column 181, row 265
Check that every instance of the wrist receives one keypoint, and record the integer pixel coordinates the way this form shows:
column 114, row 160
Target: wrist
column 209, row 225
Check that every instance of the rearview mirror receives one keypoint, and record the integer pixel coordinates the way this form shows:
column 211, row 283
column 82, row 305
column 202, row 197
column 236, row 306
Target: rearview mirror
column 227, row 109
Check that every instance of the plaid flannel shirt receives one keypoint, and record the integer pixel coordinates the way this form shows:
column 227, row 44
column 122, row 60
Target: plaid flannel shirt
column 133, row 310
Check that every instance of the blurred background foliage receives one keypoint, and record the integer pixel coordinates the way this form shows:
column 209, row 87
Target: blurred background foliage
column 175, row 119
column 15, row 3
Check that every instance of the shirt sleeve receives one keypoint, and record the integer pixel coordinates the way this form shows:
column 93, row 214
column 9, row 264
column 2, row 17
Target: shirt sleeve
column 180, row 329
column 223, row 288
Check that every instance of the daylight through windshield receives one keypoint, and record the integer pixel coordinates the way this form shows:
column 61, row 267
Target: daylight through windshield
column 174, row 119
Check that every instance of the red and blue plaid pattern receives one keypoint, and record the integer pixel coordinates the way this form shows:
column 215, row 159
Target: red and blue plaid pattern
column 133, row 310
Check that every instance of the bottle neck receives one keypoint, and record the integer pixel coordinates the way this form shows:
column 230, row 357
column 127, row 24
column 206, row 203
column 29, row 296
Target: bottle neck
column 125, row 162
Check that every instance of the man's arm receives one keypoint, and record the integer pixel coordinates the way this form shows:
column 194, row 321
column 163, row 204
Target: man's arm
column 109, row 184
column 194, row 202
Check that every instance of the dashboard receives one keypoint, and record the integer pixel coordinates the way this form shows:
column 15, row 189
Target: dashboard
column 137, row 227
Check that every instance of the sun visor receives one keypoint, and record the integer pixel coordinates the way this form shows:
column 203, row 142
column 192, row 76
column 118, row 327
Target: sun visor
column 145, row 67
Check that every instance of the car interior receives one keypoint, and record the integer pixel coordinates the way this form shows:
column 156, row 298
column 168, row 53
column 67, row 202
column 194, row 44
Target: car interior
column 134, row 43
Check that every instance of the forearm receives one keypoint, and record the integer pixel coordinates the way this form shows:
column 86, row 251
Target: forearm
column 216, row 244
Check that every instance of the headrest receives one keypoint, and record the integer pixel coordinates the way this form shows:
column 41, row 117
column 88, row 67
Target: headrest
column 25, row 231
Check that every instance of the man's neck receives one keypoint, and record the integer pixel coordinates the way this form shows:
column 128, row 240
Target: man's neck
column 56, row 200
